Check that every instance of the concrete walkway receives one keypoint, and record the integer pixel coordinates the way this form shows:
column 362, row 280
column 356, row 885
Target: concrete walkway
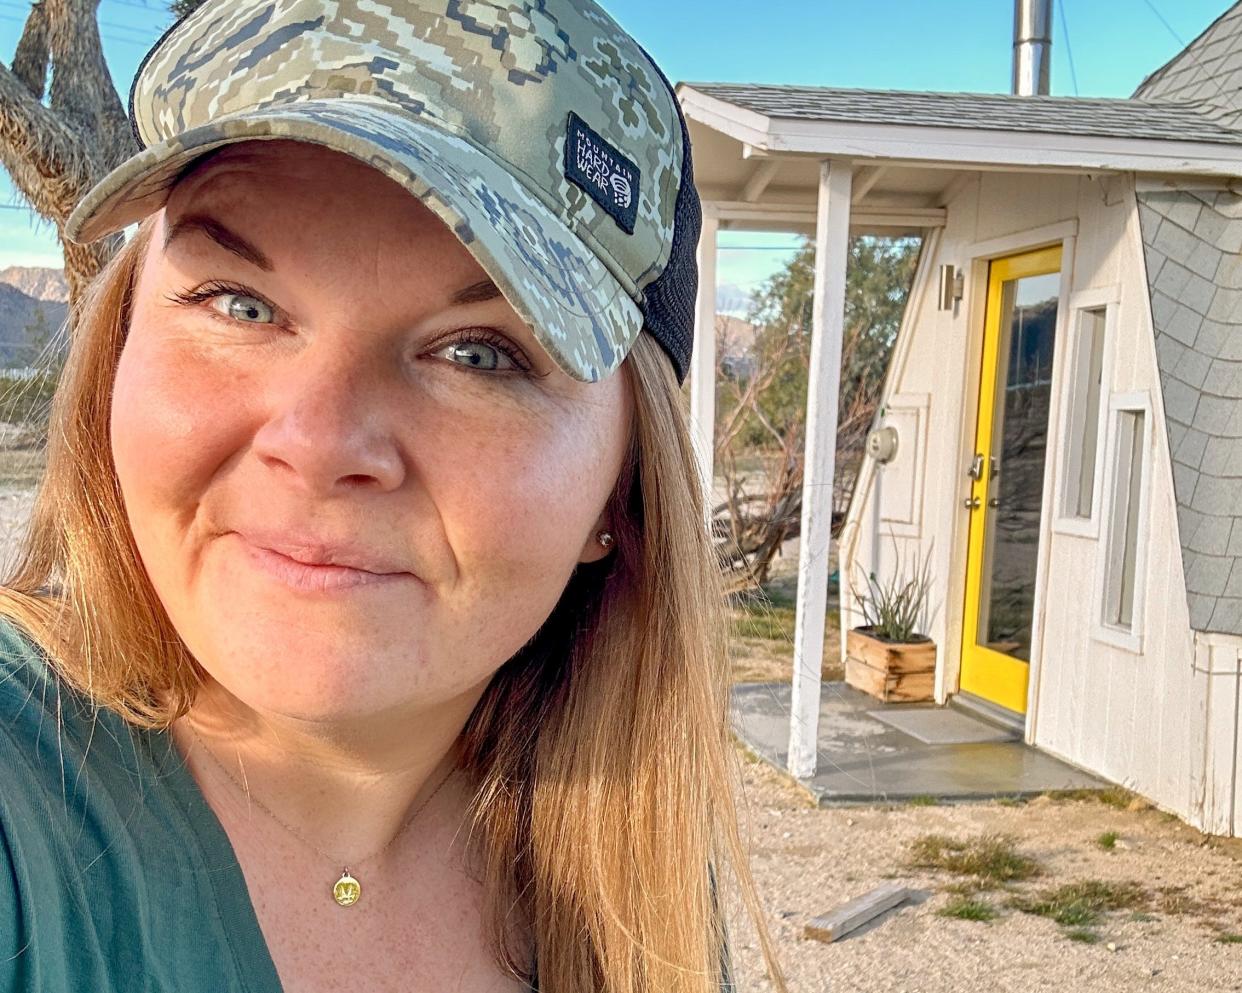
column 873, row 752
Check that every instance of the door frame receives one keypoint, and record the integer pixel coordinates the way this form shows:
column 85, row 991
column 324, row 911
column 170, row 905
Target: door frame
column 979, row 256
column 996, row 676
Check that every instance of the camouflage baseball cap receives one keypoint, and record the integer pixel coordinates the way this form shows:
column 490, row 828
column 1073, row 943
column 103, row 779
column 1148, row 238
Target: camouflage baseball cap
column 538, row 130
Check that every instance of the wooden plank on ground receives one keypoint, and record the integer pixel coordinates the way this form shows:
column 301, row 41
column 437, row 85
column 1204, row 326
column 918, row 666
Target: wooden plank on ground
column 857, row 912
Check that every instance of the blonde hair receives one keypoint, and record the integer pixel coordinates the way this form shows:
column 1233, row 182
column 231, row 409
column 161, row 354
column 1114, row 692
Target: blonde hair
column 604, row 809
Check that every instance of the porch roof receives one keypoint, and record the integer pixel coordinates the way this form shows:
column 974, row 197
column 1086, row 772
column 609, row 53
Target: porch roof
column 960, row 130
column 1088, row 116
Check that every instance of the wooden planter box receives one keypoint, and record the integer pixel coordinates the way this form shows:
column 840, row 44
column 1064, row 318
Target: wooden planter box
column 889, row 670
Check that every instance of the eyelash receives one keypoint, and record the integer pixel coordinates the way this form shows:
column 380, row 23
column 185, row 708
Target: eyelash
column 467, row 335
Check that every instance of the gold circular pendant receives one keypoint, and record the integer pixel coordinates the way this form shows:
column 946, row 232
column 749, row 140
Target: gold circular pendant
column 347, row 890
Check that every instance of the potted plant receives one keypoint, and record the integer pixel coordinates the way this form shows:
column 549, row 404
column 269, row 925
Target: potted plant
column 888, row 657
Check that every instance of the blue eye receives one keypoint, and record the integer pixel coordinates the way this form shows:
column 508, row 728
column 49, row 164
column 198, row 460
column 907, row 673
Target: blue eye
column 479, row 354
column 249, row 311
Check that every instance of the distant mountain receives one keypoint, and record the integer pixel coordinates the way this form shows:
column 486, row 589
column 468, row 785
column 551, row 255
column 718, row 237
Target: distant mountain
column 735, row 342
column 40, row 283
column 33, row 306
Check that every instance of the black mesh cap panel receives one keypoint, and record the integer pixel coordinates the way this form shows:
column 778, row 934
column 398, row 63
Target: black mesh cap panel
column 669, row 300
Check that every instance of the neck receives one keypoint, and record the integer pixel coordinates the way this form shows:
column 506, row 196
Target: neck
column 349, row 788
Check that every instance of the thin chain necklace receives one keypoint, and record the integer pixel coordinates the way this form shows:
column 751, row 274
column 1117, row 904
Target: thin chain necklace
column 347, row 889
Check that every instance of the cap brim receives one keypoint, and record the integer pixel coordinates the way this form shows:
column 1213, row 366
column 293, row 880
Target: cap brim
column 575, row 306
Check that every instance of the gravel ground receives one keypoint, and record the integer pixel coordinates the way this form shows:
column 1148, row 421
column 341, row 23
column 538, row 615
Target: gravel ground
column 807, row 861
column 15, row 506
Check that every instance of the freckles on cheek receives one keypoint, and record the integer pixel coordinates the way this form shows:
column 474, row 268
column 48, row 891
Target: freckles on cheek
column 541, row 488
column 168, row 420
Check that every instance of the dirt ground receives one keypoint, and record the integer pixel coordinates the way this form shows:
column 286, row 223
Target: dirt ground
column 763, row 629
column 1183, row 932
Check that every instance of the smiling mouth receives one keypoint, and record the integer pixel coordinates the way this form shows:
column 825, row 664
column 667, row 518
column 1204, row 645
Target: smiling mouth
column 311, row 578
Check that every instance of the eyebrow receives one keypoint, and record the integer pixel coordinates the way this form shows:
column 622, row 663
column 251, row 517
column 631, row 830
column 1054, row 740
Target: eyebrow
column 221, row 235
column 480, row 292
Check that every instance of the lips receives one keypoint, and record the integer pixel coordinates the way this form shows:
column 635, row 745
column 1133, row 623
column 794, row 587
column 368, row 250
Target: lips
column 317, row 566
column 313, row 551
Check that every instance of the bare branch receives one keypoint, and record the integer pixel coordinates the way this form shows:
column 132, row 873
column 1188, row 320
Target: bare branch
column 56, row 153
column 44, row 156
column 82, row 91
column 30, row 60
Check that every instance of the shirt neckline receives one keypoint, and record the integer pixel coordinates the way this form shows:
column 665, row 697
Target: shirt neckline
column 218, row 865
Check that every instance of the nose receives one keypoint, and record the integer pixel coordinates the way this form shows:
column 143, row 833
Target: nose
column 326, row 426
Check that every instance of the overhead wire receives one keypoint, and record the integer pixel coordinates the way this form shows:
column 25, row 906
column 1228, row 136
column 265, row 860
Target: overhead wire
column 1068, row 50
column 1169, row 27
column 137, row 40
column 144, row 36
column 112, row 38
column 1197, row 60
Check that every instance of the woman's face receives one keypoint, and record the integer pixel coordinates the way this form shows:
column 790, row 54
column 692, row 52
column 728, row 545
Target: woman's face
column 318, row 371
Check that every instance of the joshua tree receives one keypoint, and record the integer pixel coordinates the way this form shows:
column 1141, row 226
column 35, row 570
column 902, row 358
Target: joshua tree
column 63, row 126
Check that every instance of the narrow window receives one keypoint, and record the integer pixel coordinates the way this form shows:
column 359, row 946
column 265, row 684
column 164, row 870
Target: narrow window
column 1123, row 526
column 1078, row 493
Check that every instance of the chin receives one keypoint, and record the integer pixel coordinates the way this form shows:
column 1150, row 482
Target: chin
column 275, row 670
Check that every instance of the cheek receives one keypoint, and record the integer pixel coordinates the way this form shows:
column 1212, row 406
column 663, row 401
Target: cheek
column 542, row 481
column 518, row 504
column 169, row 433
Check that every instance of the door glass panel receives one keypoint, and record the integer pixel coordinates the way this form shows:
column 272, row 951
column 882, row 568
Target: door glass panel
column 1014, row 487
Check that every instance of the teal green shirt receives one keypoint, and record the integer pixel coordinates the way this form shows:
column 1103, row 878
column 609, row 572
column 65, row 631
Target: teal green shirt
column 115, row 874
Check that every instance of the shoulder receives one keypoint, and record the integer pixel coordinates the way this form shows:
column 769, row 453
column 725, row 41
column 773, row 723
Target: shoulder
column 35, row 708
column 60, row 802
column 32, row 715
column 46, row 755
column 53, row 740
column 28, row 697
column 25, row 679
column 25, row 673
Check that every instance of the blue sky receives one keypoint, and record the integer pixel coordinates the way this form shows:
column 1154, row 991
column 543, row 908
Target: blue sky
column 882, row 44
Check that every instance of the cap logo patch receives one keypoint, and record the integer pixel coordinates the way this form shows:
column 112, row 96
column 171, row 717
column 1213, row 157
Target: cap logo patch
column 608, row 176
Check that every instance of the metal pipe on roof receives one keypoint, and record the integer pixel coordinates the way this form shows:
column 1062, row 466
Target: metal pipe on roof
column 1032, row 46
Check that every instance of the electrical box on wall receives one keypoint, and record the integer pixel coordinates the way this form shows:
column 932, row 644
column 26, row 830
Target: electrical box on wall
column 901, row 448
column 882, row 444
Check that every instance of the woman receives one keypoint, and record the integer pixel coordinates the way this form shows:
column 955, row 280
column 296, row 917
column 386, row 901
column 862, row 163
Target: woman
column 366, row 633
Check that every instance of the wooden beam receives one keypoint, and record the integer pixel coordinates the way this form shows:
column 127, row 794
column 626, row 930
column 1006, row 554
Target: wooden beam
column 832, row 233
column 853, row 915
column 865, row 180
column 703, row 363
column 759, row 179
column 779, row 214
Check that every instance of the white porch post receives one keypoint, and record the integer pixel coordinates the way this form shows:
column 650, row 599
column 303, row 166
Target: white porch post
column 703, row 361
column 832, row 228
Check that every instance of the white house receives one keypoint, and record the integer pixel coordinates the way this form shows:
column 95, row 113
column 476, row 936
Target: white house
column 1065, row 396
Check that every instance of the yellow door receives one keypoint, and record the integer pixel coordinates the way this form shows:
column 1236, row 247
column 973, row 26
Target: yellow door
column 1007, row 475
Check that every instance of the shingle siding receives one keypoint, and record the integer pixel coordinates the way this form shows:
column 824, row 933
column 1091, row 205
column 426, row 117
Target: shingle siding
column 1191, row 243
column 1208, row 72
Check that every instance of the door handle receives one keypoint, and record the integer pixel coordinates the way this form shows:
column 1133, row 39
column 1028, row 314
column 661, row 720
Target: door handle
column 976, row 467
